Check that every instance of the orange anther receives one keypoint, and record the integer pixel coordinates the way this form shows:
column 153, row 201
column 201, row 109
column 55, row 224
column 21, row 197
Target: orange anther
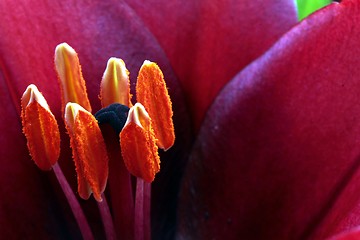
column 151, row 91
column 89, row 151
column 115, row 84
column 70, row 77
column 40, row 128
column 138, row 147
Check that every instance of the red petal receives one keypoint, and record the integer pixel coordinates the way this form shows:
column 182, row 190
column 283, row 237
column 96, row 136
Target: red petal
column 208, row 42
column 352, row 234
column 278, row 154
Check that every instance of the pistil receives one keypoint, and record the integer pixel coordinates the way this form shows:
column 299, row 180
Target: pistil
column 116, row 99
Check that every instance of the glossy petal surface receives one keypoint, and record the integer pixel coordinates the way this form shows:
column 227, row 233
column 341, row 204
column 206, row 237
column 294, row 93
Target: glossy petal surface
column 279, row 153
column 208, row 42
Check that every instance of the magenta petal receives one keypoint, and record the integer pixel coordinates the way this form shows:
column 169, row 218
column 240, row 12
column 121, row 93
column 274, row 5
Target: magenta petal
column 208, row 42
column 352, row 234
column 98, row 30
column 278, row 156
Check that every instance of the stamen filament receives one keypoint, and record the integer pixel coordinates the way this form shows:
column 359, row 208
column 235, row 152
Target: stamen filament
column 74, row 204
column 147, row 215
column 139, row 210
column 107, row 219
column 142, row 230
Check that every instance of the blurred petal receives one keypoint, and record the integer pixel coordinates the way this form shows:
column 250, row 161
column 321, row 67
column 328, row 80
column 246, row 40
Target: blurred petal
column 208, row 42
column 278, row 156
column 352, row 234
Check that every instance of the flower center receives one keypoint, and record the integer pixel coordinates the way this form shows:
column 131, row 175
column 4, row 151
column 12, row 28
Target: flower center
column 115, row 115
column 142, row 129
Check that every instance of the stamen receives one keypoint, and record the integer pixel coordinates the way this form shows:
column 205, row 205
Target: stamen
column 89, row 151
column 115, row 83
column 138, row 147
column 71, row 80
column 139, row 210
column 107, row 219
column 42, row 133
column 73, row 203
column 40, row 128
column 142, row 229
column 151, row 91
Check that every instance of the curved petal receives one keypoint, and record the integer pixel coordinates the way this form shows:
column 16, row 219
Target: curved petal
column 278, row 156
column 208, row 42
column 30, row 31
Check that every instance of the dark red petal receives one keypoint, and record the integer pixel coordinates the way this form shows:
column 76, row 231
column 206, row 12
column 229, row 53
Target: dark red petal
column 208, row 42
column 278, row 156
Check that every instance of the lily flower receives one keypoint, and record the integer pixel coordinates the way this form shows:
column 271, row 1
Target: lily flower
column 271, row 154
